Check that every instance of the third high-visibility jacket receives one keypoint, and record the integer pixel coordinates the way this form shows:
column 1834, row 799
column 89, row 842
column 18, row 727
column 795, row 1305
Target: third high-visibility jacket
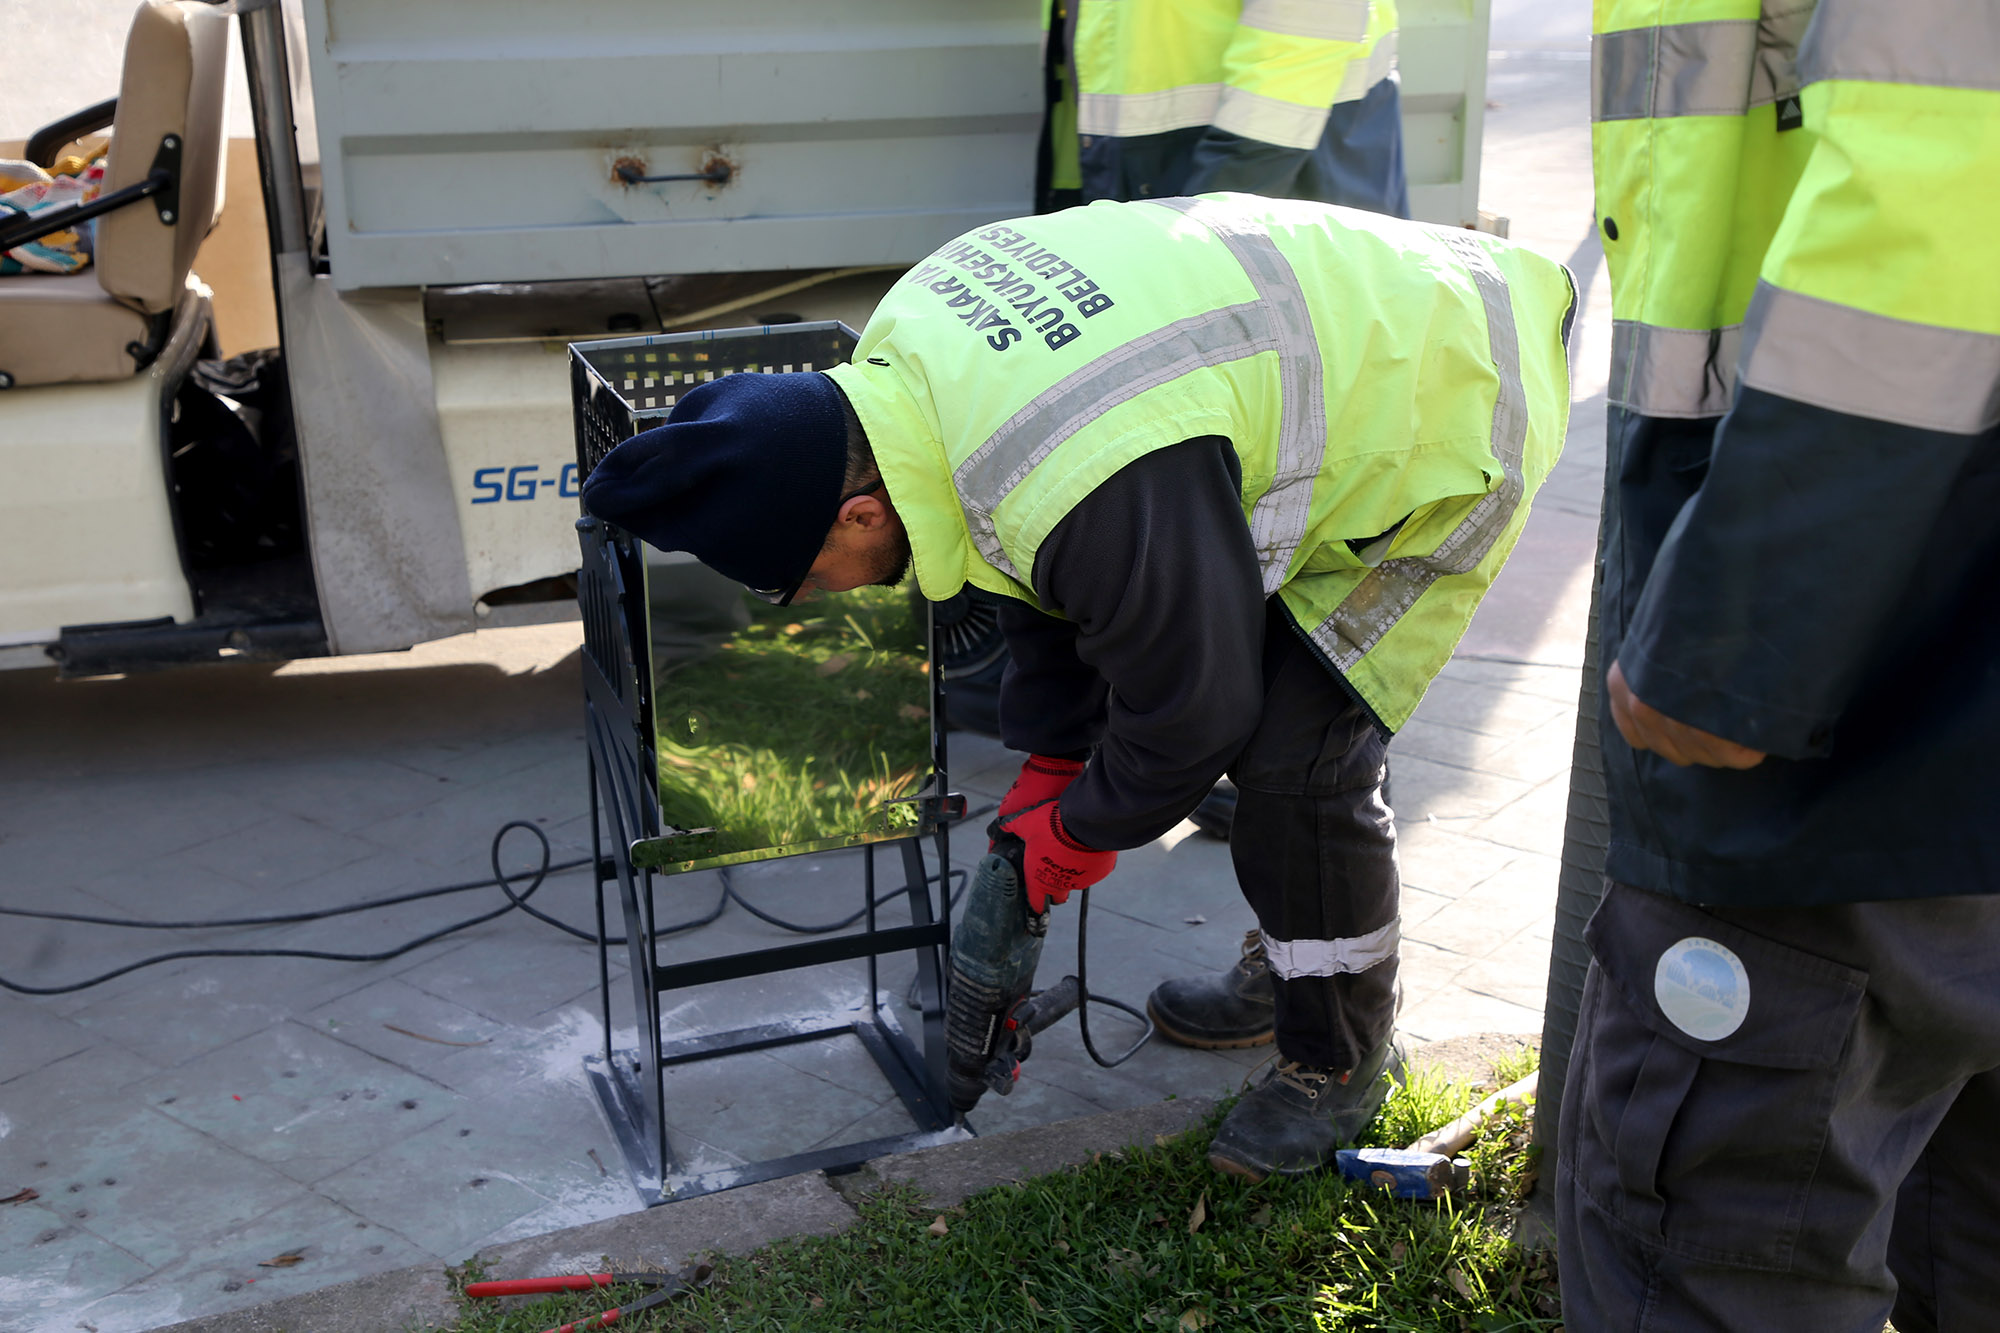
column 1694, row 113
column 1276, row 97
column 1805, row 244
column 1394, row 394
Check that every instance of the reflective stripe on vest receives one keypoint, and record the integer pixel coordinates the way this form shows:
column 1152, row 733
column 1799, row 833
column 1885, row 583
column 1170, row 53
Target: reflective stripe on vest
column 1326, row 20
column 1931, row 42
column 1278, row 320
column 1393, row 587
column 1292, row 959
column 1240, row 111
column 1870, row 365
column 1279, row 519
column 1673, row 372
column 1719, row 68
column 992, row 471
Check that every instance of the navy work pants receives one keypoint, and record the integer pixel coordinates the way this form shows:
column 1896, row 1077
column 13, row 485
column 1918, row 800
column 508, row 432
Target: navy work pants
column 1829, row 1161
column 1315, row 853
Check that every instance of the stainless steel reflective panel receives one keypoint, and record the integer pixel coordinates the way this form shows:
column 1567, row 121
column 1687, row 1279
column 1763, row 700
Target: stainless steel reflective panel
column 781, row 730
column 774, row 730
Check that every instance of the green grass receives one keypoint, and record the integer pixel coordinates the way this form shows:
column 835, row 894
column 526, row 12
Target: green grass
column 798, row 727
column 1148, row 1239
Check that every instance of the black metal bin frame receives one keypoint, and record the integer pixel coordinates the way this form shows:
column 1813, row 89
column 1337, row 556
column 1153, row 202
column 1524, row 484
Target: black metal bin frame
column 631, row 1085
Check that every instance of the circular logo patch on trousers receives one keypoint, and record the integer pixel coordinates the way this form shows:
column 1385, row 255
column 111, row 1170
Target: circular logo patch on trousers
column 1702, row 988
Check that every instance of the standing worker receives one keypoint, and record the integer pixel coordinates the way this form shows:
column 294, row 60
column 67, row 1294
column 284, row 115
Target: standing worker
column 1274, row 97
column 1780, row 1105
column 1257, row 460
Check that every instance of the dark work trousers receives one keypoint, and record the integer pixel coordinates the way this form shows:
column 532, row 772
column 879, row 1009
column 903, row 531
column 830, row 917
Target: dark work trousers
column 1830, row 1162
column 1315, row 855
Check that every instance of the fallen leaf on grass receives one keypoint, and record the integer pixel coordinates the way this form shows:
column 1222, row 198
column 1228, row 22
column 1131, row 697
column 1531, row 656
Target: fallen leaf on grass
column 488, row 1041
column 1062, row 1245
column 1195, row 1219
column 1398, row 1252
column 1124, row 1262
column 285, row 1260
column 834, row 665
column 1162, row 1140
column 1195, row 1318
column 817, row 1302
column 749, row 782
column 1460, row 1283
column 939, row 1227
column 1262, row 1217
column 913, row 713
column 23, row 1195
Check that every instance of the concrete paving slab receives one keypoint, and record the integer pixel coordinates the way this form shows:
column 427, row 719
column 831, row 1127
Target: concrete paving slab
column 758, row 1107
column 334, row 1244
column 36, row 1038
column 1453, row 1011
column 380, row 1019
column 511, row 977
column 122, row 1171
column 297, row 1100
column 1434, row 856
column 235, row 997
column 55, row 1268
column 402, row 1299
column 467, row 1191
column 278, row 851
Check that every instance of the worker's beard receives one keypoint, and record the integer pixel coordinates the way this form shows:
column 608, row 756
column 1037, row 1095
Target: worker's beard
column 893, row 566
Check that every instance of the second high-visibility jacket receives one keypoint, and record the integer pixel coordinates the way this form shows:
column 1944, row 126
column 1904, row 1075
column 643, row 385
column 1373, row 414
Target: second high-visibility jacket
column 1694, row 142
column 1817, row 579
column 1276, row 97
column 1394, row 394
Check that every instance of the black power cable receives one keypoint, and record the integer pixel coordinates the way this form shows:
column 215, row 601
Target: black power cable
column 516, row 900
column 1083, row 988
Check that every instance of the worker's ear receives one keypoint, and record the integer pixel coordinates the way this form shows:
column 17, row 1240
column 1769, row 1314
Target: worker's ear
column 866, row 512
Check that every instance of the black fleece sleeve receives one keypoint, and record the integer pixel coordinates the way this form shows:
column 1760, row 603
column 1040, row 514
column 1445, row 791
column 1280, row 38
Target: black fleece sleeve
column 1158, row 658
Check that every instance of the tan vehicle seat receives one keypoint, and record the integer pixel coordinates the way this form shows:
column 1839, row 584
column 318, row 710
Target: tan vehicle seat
column 110, row 319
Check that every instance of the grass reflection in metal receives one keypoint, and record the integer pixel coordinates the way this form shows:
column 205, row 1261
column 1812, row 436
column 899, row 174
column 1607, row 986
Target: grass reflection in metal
column 807, row 728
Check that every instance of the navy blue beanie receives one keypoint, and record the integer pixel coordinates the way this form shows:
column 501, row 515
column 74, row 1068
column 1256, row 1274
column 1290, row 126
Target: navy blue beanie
column 745, row 475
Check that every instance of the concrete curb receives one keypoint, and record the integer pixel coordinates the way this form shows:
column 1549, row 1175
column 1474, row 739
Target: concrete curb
column 733, row 1222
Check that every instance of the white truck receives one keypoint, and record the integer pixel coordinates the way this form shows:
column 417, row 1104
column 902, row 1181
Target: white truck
column 448, row 194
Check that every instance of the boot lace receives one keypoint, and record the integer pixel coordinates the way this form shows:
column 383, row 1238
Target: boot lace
column 1305, row 1078
column 1254, row 959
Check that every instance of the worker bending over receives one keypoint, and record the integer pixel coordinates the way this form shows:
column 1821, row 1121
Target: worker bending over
column 1257, row 461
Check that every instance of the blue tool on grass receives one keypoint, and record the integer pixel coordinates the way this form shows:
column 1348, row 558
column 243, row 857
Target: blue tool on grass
column 1424, row 1170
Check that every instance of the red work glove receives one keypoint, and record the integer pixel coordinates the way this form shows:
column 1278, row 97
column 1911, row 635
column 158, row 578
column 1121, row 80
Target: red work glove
column 1042, row 779
column 1056, row 863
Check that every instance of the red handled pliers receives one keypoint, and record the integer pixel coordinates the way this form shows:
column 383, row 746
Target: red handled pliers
column 669, row 1286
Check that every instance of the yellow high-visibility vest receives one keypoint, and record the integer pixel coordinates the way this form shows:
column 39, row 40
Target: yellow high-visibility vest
column 1394, row 392
column 1265, row 69
column 1804, row 190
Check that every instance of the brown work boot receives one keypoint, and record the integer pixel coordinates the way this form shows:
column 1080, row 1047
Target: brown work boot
column 1218, row 1010
column 1293, row 1121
